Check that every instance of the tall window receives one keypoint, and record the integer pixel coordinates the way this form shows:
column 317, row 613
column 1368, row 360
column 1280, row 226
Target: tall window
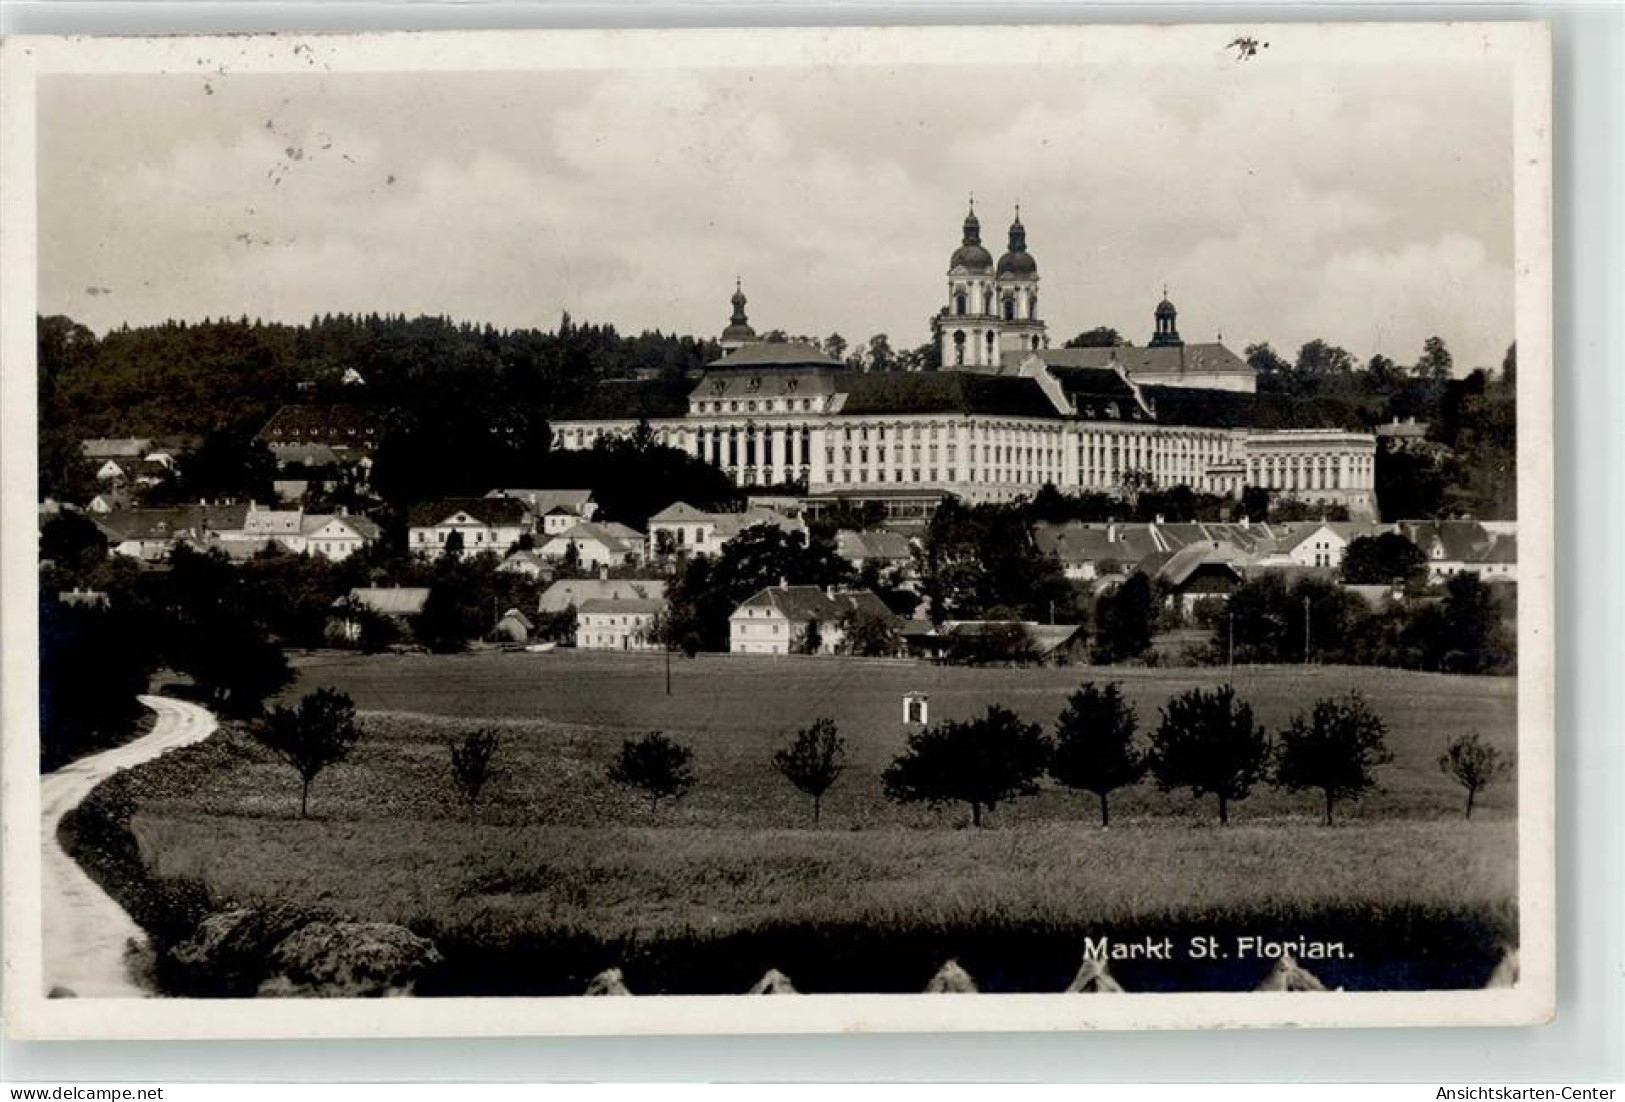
column 1009, row 309
column 960, row 305
column 959, row 345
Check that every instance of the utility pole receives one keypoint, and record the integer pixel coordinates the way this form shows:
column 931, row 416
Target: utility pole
column 1230, row 619
column 668, row 667
column 1306, row 631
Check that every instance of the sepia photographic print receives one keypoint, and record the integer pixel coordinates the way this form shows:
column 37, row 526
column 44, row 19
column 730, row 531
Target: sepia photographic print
column 1056, row 515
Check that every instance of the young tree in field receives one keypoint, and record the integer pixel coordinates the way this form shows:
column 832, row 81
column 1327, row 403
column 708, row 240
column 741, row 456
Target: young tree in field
column 471, row 763
column 1208, row 742
column 319, row 731
column 1334, row 748
column 1094, row 744
column 1124, row 618
column 1474, row 764
column 981, row 762
column 813, row 761
column 656, row 766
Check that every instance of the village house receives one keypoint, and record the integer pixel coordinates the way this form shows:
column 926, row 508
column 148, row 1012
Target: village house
column 336, row 537
column 527, row 564
column 625, row 623
column 350, row 430
column 149, row 535
column 575, row 592
column 888, row 550
column 681, row 529
column 798, row 619
column 395, row 603
column 591, row 545
column 553, row 512
column 1195, row 572
column 1023, row 641
column 467, row 526
column 1465, row 546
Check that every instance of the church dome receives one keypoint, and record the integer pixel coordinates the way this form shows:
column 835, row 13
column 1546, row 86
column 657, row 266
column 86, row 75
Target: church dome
column 1018, row 264
column 972, row 258
column 1165, row 309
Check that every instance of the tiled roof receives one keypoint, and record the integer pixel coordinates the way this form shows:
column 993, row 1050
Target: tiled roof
column 542, row 502
column 1462, row 539
column 357, row 426
column 1163, row 360
column 577, row 591
column 491, row 511
column 124, row 447
column 308, row 455
column 947, row 392
column 769, row 381
column 880, row 543
column 273, row 522
column 392, row 600
column 802, row 603
column 776, row 354
column 681, row 512
column 729, row 525
column 361, row 526
column 630, row 606
column 177, row 522
column 1502, row 551
column 1176, row 567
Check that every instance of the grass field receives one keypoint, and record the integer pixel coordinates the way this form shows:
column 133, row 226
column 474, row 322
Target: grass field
column 560, row 873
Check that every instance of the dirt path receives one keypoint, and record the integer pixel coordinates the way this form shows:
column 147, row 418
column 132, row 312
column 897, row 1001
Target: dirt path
column 86, row 935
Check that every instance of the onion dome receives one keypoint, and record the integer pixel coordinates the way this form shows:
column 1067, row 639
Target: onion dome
column 970, row 255
column 739, row 325
column 1167, row 332
column 1018, row 262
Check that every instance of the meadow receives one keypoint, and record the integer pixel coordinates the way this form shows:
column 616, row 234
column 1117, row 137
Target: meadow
column 558, row 873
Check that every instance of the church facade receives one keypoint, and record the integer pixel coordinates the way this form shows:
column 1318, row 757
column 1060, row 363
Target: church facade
column 1005, row 415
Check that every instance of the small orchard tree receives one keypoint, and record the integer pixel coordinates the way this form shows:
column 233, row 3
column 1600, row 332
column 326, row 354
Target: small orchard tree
column 657, row 767
column 1208, row 742
column 982, row 762
column 1094, row 744
column 1474, row 764
column 471, row 763
column 319, row 731
column 1335, row 748
column 813, row 760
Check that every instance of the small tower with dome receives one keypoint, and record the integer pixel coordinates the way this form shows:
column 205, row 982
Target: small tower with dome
column 1167, row 332
column 1016, row 280
column 739, row 333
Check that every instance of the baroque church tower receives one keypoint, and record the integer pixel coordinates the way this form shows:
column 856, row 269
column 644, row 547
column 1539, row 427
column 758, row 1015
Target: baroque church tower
column 992, row 312
column 739, row 333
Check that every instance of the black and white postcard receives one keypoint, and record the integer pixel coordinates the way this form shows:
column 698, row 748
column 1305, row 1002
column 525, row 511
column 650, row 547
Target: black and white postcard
column 568, row 532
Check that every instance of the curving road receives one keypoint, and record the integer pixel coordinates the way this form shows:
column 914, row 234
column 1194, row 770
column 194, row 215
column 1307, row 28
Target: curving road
column 86, row 935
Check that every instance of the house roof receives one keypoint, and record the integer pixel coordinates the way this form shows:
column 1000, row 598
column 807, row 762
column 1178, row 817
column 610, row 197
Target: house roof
column 1462, row 540
column 1178, row 567
column 608, row 533
column 392, row 600
column 273, row 522
column 1099, row 393
column 946, row 392
column 306, row 455
column 175, row 522
column 361, row 526
column 1176, row 360
column 775, row 354
column 681, row 512
column 1403, row 430
column 357, row 426
column 491, row 511
column 122, row 447
column 768, row 381
column 1503, row 550
column 630, row 606
column 543, row 502
column 729, row 525
column 577, row 591
column 803, row 603
column 878, row 543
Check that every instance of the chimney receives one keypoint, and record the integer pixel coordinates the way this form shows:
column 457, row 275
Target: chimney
column 1111, row 531
column 784, row 583
column 1246, row 520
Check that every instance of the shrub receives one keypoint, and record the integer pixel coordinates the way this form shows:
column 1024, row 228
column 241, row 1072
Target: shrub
column 1094, row 744
column 1335, row 749
column 656, row 766
column 981, row 762
column 471, row 763
column 1208, row 742
column 813, row 761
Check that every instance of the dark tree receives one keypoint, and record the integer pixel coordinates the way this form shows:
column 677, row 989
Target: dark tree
column 811, row 638
column 1335, row 749
column 1124, row 618
column 1094, row 744
column 813, row 761
column 94, row 662
column 471, row 761
column 1101, row 336
column 1208, row 742
column 656, row 766
column 319, row 731
column 229, row 464
column 868, row 635
column 1383, row 560
column 981, row 762
column 72, row 543
column 710, row 588
column 1474, row 764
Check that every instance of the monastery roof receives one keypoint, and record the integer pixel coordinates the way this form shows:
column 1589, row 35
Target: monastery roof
column 627, row 399
column 947, row 392
column 775, row 354
column 1174, row 360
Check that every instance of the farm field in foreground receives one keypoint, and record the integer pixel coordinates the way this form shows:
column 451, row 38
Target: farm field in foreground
column 559, row 873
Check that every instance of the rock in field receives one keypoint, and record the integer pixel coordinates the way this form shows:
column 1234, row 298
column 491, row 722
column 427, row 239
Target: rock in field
column 951, row 979
column 608, row 982
column 229, row 951
column 1093, row 979
column 1289, row 975
column 773, row 982
column 349, row 960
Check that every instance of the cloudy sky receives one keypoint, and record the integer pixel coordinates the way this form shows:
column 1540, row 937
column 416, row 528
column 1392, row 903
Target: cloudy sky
column 1366, row 203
